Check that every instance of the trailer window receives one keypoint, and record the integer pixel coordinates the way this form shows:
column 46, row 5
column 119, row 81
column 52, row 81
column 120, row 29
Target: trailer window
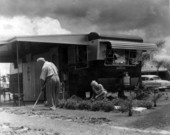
column 120, row 56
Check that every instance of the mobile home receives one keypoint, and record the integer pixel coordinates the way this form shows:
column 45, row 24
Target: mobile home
column 80, row 59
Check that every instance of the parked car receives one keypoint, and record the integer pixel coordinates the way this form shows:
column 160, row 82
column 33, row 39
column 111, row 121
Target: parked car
column 155, row 81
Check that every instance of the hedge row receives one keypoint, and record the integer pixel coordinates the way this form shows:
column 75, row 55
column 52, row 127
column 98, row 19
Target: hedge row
column 104, row 105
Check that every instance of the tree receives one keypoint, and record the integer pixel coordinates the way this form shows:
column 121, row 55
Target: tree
column 159, row 62
column 149, row 55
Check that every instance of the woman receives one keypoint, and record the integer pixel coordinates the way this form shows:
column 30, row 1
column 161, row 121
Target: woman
column 98, row 89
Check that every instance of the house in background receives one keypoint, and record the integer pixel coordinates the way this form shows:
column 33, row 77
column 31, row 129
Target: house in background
column 80, row 59
column 4, row 82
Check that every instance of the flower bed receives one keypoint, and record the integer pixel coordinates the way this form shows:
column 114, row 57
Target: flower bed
column 103, row 105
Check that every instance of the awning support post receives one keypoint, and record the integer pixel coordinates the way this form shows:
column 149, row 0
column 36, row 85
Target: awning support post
column 18, row 74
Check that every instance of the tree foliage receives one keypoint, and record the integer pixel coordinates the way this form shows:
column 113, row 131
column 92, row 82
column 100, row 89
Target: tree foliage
column 148, row 55
column 159, row 62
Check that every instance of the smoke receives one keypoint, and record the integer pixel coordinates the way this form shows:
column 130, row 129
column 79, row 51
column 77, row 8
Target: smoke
column 147, row 18
column 164, row 53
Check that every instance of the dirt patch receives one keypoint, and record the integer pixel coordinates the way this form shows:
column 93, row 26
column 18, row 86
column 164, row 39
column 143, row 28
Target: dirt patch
column 8, row 129
column 54, row 115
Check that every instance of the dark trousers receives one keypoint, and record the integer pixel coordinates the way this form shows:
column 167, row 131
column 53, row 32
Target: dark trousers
column 52, row 90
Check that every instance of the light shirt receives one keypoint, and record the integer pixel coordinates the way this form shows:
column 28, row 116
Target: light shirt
column 48, row 69
column 99, row 89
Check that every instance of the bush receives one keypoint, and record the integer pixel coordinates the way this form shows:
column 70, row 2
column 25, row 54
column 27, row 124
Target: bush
column 156, row 97
column 107, row 106
column 62, row 103
column 142, row 96
column 84, row 105
column 103, row 105
column 124, row 104
column 115, row 102
column 147, row 104
column 96, row 106
column 143, row 103
column 76, row 98
column 71, row 104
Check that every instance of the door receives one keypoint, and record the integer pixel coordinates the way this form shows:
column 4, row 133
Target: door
column 28, row 83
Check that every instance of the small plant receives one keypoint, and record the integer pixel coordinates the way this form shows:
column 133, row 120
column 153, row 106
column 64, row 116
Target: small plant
column 84, row 105
column 107, row 106
column 155, row 98
column 124, row 108
column 142, row 103
column 62, row 103
column 118, row 102
column 142, row 95
column 124, row 104
column 96, row 106
column 147, row 104
column 71, row 104
column 76, row 98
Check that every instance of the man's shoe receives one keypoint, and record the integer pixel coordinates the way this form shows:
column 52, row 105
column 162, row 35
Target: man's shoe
column 46, row 103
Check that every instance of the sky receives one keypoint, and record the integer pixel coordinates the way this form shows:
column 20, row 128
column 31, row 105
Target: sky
column 4, row 69
column 149, row 19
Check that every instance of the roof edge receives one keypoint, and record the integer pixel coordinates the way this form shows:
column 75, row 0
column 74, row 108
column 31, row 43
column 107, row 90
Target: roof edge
column 94, row 35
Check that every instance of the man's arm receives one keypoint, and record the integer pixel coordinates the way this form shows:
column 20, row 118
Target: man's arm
column 43, row 76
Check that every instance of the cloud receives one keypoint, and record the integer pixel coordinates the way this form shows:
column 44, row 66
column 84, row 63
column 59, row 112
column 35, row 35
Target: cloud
column 106, row 16
column 22, row 25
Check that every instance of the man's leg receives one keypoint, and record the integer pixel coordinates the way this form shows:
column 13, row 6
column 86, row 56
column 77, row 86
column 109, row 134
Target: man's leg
column 53, row 93
column 48, row 93
column 57, row 90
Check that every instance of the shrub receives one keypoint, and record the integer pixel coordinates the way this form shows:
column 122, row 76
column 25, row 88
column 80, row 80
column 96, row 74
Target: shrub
column 115, row 102
column 142, row 103
column 84, row 105
column 156, row 97
column 71, row 104
column 107, row 106
column 62, row 103
column 124, row 104
column 96, row 105
column 147, row 104
column 142, row 96
column 76, row 98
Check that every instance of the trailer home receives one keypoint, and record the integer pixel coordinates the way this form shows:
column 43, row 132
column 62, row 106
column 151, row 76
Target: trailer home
column 80, row 59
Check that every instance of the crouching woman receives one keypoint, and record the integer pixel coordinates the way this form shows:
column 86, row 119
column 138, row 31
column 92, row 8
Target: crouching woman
column 99, row 92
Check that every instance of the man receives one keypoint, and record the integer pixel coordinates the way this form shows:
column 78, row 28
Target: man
column 49, row 78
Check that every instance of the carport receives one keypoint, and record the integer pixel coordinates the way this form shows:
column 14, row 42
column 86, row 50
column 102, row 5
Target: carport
column 15, row 50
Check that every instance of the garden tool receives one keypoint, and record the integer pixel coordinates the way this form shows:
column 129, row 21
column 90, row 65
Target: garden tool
column 37, row 98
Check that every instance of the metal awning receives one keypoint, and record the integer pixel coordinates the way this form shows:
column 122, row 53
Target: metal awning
column 133, row 45
column 79, row 39
column 7, row 48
